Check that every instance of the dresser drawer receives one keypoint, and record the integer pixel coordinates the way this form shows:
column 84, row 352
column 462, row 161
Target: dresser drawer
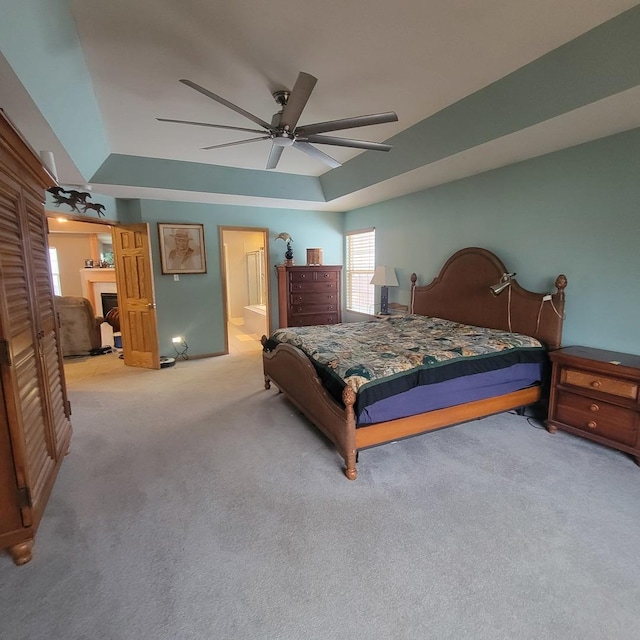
column 329, row 285
column 596, row 417
column 296, row 309
column 313, row 276
column 604, row 384
column 309, row 319
column 314, row 298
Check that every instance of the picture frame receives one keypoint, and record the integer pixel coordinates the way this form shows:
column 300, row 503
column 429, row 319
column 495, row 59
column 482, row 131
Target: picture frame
column 182, row 248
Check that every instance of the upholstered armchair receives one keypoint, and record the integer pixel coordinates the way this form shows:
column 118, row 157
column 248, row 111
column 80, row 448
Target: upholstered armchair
column 79, row 326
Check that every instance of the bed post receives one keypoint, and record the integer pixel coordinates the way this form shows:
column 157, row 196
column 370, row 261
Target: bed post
column 267, row 380
column 414, row 279
column 349, row 399
column 558, row 297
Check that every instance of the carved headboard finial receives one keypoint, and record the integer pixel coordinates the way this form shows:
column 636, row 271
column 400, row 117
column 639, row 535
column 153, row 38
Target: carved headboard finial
column 561, row 284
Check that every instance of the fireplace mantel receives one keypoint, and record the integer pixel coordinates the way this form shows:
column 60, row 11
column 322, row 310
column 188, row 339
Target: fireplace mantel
column 93, row 283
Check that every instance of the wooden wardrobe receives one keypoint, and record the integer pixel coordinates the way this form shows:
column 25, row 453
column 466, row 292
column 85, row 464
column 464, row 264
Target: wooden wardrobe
column 34, row 412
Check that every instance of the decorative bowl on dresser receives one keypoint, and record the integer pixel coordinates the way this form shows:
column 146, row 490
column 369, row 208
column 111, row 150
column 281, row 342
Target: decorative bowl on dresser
column 309, row 295
column 595, row 394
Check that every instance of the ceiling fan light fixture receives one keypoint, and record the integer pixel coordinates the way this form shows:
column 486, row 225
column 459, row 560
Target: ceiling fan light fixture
column 283, row 141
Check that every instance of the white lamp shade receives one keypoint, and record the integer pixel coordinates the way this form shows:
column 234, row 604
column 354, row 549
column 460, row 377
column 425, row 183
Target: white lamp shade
column 384, row 276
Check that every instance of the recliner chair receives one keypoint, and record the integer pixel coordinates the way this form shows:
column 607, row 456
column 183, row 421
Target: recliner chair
column 79, row 326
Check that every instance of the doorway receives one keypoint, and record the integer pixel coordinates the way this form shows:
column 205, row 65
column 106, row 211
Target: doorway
column 88, row 260
column 244, row 254
column 73, row 246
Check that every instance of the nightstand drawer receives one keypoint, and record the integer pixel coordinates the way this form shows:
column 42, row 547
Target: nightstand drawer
column 596, row 417
column 597, row 382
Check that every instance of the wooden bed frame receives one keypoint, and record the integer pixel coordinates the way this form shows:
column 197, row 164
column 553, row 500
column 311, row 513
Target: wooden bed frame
column 460, row 293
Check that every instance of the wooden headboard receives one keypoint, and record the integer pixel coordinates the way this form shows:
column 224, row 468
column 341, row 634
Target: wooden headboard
column 462, row 293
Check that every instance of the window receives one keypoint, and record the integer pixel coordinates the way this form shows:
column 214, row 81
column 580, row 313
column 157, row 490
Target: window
column 55, row 271
column 360, row 265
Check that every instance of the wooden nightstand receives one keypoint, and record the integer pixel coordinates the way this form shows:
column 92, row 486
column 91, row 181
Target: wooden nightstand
column 595, row 394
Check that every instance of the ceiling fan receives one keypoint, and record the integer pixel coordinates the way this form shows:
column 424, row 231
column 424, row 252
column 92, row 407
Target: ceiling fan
column 283, row 131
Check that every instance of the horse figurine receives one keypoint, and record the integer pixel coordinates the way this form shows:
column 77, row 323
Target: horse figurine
column 72, row 198
column 58, row 199
column 96, row 206
column 78, row 197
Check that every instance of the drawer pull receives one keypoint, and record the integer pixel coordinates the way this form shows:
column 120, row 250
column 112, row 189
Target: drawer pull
column 592, row 424
column 596, row 383
column 594, row 407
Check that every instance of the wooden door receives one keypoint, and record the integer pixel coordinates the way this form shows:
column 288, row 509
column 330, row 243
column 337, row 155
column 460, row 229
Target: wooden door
column 136, row 301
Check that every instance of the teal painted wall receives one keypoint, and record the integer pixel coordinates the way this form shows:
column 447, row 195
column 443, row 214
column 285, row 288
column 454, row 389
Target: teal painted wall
column 576, row 212
column 193, row 306
column 200, row 177
column 39, row 40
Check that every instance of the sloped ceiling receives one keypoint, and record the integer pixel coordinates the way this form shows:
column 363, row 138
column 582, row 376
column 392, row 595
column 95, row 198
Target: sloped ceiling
column 475, row 86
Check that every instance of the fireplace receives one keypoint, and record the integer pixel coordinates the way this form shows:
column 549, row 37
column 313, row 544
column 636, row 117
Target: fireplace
column 109, row 301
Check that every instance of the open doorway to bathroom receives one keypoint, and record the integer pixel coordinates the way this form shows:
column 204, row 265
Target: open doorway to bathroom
column 246, row 286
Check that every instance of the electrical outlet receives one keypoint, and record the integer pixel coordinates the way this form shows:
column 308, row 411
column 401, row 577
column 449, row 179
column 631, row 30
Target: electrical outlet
column 176, row 278
column 546, row 298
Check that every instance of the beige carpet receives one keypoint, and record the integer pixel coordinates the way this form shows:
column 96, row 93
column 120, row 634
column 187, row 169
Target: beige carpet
column 196, row 505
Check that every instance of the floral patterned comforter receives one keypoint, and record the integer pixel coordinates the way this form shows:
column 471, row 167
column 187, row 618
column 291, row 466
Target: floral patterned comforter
column 363, row 353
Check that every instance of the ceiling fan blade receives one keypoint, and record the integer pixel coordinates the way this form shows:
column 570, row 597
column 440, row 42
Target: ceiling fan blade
column 274, row 156
column 233, row 144
column 347, row 123
column 316, row 153
column 347, row 142
column 206, row 124
column 297, row 100
column 226, row 103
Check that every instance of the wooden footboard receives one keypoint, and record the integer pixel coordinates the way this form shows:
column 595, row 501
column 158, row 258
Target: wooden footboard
column 294, row 375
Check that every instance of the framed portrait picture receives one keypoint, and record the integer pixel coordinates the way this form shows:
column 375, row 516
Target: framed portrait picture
column 182, row 248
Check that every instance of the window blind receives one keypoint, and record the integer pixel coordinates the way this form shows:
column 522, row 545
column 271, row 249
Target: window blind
column 360, row 259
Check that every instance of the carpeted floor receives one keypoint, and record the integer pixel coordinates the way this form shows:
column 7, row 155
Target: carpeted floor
column 196, row 505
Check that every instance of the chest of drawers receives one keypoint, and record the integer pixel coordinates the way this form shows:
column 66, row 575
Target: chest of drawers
column 596, row 394
column 309, row 295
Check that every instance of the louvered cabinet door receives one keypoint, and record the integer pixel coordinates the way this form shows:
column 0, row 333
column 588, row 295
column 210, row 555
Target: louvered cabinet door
column 35, row 420
column 33, row 439
column 10, row 516
column 52, row 375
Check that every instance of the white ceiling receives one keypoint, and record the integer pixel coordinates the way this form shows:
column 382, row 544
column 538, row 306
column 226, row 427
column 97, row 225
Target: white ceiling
column 414, row 57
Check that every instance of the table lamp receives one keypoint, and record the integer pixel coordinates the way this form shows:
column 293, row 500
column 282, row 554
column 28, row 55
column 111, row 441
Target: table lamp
column 384, row 277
